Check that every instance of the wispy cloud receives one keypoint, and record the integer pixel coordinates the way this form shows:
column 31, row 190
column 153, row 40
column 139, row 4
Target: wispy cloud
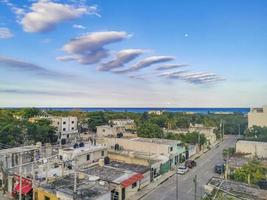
column 90, row 48
column 78, row 26
column 147, row 62
column 42, row 92
column 122, row 57
column 5, row 33
column 12, row 63
column 44, row 15
column 171, row 66
column 193, row 77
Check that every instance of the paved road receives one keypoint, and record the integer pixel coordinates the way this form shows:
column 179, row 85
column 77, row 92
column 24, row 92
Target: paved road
column 204, row 171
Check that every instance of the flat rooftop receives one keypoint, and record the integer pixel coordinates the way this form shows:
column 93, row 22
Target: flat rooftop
column 86, row 189
column 238, row 189
column 157, row 141
column 18, row 149
column 109, row 174
column 129, row 167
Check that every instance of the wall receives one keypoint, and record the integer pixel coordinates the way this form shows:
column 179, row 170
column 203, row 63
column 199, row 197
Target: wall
column 252, row 147
column 41, row 193
column 257, row 119
column 127, row 159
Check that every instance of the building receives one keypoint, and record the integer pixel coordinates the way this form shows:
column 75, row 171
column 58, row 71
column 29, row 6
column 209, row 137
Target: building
column 122, row 183
column 109, row 130
column 208, row 132
column 83, row 154
column 234, row 190
column 126, row 123
column 155, row 112
column 62, row 189
column 67, row 127
column 252, row 148
column 257, row 117
column 169, row 150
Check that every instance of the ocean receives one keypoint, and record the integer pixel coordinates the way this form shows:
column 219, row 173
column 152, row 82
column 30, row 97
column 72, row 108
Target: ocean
column 141, row 110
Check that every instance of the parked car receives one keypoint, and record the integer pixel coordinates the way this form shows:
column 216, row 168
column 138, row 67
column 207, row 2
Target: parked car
column 262, row 184
column 190, row 163
column 219, row 168
column 182, row 169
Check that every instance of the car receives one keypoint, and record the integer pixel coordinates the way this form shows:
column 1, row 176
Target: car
column 182, row 169
column 190, row 163
column 219, row 168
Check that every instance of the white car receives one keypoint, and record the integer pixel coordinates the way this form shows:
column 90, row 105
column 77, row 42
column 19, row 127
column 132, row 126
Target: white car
column 182, row 169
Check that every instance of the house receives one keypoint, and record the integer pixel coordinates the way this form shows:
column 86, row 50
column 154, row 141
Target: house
column 257, row 117
column 122, row 183
column 171, row 150
column 109, row 130
column 252, row 148
column 126, row 123
column 63, row 189
column 83, row 153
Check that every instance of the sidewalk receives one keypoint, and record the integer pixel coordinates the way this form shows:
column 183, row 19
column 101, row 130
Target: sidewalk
column 153, row 185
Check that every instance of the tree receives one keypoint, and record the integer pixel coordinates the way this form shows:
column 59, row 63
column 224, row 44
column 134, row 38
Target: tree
column 150, row 130
column 96, row 119
column 30, row 112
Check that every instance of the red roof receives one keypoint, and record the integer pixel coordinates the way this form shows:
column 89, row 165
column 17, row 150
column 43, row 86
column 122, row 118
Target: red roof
column 25, row 189
column 132, row 180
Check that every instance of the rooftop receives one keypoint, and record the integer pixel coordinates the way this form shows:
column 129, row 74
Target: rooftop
column 129, row 167
column 18, row 149
column 157, row 141
column 238, row 189
column 86, row 189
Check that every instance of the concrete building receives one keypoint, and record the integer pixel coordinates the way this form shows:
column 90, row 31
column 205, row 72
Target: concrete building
column 172, row 150
column 122, row 183
column 84, row 154
column 208, row 132
column 126, row 123
column 252, row 148
column 109, row 130
column 257, row 117
column 62, row 189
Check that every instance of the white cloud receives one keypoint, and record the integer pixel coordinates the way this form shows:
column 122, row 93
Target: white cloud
column 147, row 62
column 122, row 57
column 78, row 26
column 171, row 66
column 45, row 15
column 89, row 48
column 5, row 33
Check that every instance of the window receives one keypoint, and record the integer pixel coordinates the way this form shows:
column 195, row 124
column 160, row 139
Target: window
column 134, row 185
column 88, row 157
column 46, row 198
column 171, row 148
column 64, row 129
column 72, row 128
column 68, row 135
column 102, row 153
column 72, row 122
column 103, row 130
column 64, row 122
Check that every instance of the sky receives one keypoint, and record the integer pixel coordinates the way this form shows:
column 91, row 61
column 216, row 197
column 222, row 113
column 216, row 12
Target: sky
column 117, row 53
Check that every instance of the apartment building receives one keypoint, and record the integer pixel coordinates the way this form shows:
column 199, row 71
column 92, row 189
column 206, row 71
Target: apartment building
column 257, row 117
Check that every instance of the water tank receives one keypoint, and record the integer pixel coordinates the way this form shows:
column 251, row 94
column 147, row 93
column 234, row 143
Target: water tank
column 81, row 144
column 106, row 160
column 75, row 146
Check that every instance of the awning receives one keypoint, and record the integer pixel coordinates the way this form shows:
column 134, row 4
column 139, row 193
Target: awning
column 132, row 180
column 25, row 188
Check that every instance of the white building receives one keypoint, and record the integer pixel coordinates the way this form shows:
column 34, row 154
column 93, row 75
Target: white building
column 127, row 123
column 257, row 117
column 83, row 154
column 252, row 148
column 67, row 127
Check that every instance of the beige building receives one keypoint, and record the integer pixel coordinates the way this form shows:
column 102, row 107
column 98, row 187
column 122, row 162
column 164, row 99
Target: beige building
column 83, row 155
column 126, row 123
column 257, row 117
column 107, row 130
column 253, row 148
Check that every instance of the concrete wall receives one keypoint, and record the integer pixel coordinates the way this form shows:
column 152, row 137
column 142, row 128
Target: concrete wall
column 40, row 194
column 257, row 119
column 104, row 131
column 253, row 148
column 127, row 158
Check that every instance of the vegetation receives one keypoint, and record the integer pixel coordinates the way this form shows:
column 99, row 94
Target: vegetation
column 228, row 152
column 150, row 130
column 249, row 173
column 257, row 133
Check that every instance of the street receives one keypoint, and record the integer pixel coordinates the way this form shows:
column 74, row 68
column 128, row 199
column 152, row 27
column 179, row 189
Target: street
column 186, row 187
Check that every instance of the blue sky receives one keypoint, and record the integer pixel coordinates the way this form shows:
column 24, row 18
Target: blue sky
column 164, row 53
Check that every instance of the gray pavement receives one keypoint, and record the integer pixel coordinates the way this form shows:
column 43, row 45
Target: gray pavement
column 204, row 171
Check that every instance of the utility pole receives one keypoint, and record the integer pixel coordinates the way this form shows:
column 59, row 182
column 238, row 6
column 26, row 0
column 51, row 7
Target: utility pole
column 195, row 182
column 75, row 182
column 176, row 177
column 238, row 131
column 20, row 178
